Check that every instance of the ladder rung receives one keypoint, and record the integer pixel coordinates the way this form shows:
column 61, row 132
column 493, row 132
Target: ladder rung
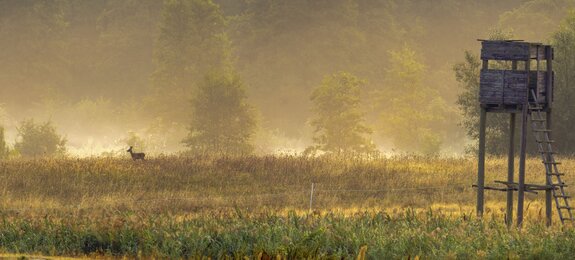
column 556, row 174
column 537, row 120
column 551, row 162
column 545, row 141
column 563, row 219
column 563, row 196
column 551, row 152
column 559, row 185
column 563, row 207
column 542, row 130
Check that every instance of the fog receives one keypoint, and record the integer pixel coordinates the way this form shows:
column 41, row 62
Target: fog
column 91, row 67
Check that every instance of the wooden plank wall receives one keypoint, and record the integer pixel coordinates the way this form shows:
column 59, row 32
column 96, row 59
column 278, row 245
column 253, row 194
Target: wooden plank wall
column 508, row 87
column 491, row 87
column 501, row 50
column 514, row 87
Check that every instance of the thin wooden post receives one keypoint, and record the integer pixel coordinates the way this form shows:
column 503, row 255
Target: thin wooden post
column 481, row 163
column 549, row 102
column 549, row 81
column 511, row 162
column 510, row 169
column 523, row 153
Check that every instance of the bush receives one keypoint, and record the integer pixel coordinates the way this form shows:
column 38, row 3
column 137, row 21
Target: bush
column 39, row 140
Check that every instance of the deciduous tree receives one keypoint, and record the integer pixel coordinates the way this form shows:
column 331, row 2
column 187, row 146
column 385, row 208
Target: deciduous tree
column 414, row 114
column 39, row 140
column 222, row 120
column 191, row 43
column 339, row 120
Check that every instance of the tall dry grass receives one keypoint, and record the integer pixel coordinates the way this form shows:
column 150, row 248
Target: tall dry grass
column 258, row 207
column 181, row 185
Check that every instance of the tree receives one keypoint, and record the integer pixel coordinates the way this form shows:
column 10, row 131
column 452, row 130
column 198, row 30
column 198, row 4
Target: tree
column 339, row 124
column 279, row 39
column 534, row 19
column 467, row 75
column 563, row 108
column 191, row 43
column 414, row 114
column 39, row 140
column 222, row 120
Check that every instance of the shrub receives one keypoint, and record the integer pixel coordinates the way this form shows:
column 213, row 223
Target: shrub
column 39, row 140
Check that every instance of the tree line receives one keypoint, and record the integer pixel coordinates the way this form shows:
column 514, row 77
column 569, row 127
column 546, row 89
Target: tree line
column 216, row 75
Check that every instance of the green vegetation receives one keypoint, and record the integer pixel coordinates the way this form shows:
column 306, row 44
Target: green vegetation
column 39, row 140
column 246, row 206
column 414, row 115
column 101, row 69
column 191, row 43
column 222, row 121
column 222, row 77
column 467, row 75
column 563, row 40
column 379, row 235
column 339, row 123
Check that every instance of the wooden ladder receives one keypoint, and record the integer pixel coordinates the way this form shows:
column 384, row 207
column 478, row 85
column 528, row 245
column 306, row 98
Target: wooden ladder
column 552, row 173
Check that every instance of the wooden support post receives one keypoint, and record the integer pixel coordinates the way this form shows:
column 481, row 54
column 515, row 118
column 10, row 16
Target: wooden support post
column 523, row 153
column 549, row 102
column 510, row 169
column 549, row 81
column 511, row 162
column 481, row 163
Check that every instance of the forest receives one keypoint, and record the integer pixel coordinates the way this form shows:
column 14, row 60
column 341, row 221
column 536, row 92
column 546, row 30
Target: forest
column 300, row 76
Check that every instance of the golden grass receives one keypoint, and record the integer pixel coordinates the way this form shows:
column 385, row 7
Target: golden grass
column 186, row 185
column 173, row 207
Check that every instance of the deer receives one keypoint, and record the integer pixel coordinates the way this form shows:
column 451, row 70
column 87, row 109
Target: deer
column 136, row 156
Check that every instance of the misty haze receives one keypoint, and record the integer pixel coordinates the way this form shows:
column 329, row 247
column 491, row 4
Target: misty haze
column 287, row 129
column 108, row 74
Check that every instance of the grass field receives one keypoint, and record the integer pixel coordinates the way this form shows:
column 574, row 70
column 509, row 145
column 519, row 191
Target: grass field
column 259, row 207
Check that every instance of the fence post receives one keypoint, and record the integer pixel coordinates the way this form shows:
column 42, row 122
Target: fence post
column 311, row 197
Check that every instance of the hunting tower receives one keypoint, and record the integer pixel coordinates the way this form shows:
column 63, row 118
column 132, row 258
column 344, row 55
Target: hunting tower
column 517, row 78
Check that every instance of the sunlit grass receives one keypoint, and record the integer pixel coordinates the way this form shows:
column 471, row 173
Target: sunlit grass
column 248, row 206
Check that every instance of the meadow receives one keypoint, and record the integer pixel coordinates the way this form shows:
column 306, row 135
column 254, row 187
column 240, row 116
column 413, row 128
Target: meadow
column 259, row 207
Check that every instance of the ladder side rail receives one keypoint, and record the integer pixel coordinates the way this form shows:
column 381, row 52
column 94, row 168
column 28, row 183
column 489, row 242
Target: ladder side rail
column 548, row 168
column 547, row 155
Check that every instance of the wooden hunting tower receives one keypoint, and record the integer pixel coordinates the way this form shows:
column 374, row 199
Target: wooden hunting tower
column 517, row 78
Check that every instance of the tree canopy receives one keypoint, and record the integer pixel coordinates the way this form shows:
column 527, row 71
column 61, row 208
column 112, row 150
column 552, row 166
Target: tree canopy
column 104, row 69
column 339, row 124
column 39, row 140
column 222, row 120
